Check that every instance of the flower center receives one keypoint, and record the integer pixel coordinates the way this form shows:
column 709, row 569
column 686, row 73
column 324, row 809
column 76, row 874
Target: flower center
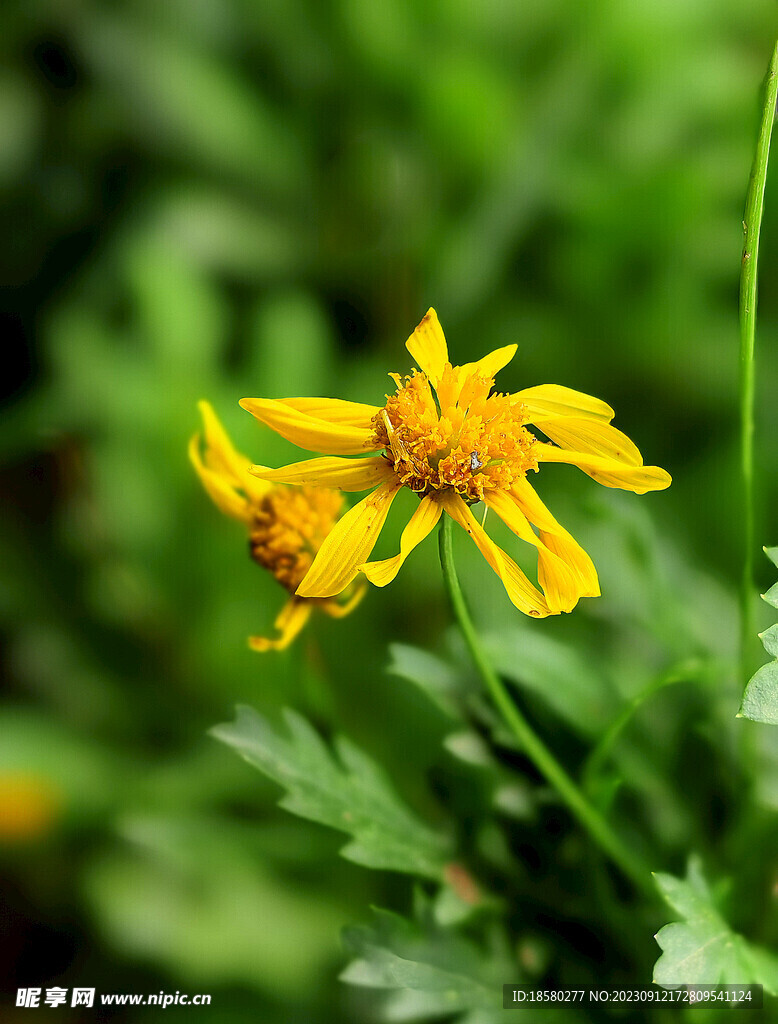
column 290, row 524
column 455, row 436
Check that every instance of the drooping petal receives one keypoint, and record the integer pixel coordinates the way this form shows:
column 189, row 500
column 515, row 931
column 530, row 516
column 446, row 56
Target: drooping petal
column 221, row 457
column 345, row 474
column 593, row 437
column 219, row 488
column 338, row 610
column 220, row 453
column 550, row 401
column 291, row 619
column 558, row 579
column 348, row 544
column 608, row 472
column 428, row 346
column 556, row 538
column 310, row 432
column 420, row 525
column 526, row 597
column 334, row 410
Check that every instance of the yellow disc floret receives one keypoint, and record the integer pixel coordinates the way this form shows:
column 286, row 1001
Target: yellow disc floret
column 288, row 527
column 456, row 436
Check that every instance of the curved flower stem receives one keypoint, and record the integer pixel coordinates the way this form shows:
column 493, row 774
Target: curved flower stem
column 531, row 744
column 748, row 293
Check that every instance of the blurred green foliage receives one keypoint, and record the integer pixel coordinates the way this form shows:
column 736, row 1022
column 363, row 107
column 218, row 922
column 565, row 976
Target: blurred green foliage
column 219, row 198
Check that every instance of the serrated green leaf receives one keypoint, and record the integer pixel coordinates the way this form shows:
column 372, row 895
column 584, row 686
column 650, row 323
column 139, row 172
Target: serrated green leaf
column 772, row 554
column 348, row 792
column 772, row 596
column 770, row 640
column 430, row 970
column 760, row 700
column 702, row 949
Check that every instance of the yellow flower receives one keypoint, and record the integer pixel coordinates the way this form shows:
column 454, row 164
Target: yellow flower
column 447, row 437
column 286, row 525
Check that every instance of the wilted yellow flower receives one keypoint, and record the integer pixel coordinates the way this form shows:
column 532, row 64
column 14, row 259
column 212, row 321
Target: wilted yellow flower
column 286, row 525
column 447, row 437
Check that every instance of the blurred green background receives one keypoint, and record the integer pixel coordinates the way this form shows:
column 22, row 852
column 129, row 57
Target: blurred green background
column 221, row 198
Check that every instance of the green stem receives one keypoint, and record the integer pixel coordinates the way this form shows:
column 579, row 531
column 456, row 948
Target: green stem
column 748, row 293
column 530, row 742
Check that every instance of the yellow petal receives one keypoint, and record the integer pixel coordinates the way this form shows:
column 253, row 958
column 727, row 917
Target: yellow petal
column 594, row 438
column 489, row 366
column 219, row 451
column 557, row 539
column 428, row 346
column 334, row 410
column 449, row 388
column 522, row 593
column 550, row 401
column 420, row 525
column 317, row 435
column 608, row 472
column 338, row 610
column 558, row 580
column 345, row 474
column 349, row 544
column 218, row 486
column 223, row 471
column 289, row 622
column 220, row 456
column 459, row 384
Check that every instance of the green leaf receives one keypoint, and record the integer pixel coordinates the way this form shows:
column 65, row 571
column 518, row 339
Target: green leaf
column 430, row 970
column 772, row 554
column 346, row 791
column 458, row 696
column 760, row 700
column 470, row 747
column 568, row 684
column 439, row 680
column 452, row 688
column 770, row 640
column 702, row 949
